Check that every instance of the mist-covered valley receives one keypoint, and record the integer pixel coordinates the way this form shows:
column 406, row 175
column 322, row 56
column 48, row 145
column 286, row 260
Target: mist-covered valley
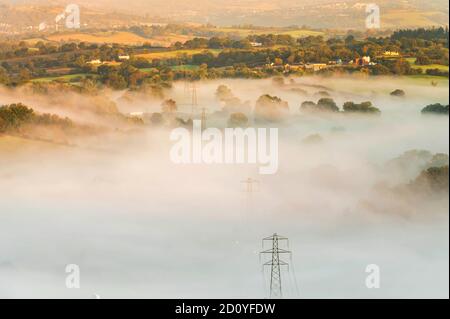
column 352, row 189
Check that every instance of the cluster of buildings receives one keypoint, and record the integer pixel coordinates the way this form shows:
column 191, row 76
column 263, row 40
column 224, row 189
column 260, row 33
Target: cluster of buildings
column 99, row 62
column 357, row 62
column 315, row 67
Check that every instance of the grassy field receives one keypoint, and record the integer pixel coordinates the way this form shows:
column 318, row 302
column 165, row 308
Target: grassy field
column 440, row 67
column 187, row 67
column 101, row 37
column 120, row 37
column 67, row 77
column 411, row 18
column 428, row 80
column 12, row 144
column 175, row 53
column 246, row 32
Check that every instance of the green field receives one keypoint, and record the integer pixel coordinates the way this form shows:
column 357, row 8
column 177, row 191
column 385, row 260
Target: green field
column 175, row 53
column 428, row 80
column 440, row 67
column 66, row 78
column 296, row 33
column 186, row 67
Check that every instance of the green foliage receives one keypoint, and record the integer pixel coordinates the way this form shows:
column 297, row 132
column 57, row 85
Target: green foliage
column 423, row 60
column 433, row 180
column 236, row 59
column 422, row 33
column 14, row 115
column 270, row 108
column 398, row 92
column 323, row 105
column 238, row 120
column 169, row 106
column 436, row 108
column 4, row 77
column 157, row 119
column 364, row 107
column 327, row 104
column 223, row 93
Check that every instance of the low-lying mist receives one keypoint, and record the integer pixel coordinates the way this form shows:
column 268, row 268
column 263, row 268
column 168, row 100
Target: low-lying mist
column 141, row 226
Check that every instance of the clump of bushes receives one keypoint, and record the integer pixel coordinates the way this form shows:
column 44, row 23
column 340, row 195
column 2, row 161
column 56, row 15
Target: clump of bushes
column 13, row 116
column 364, row 107
column 270, row 108
column 436, row 108
column 323, row 105
column 398, row 92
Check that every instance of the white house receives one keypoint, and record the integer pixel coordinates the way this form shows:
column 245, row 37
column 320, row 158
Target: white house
column 96, row 61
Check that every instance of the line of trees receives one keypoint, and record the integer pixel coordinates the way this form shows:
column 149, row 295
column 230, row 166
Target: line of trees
column 13, row 116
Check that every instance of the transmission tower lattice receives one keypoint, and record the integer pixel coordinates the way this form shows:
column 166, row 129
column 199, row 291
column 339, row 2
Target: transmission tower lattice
column 194, row 98
column 249, row 183
column 203, row 119
column 275, row 263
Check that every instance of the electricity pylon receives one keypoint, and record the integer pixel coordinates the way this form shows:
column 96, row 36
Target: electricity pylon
column 275, row 263
column 186, row 84
column 249, row 184
column 203, row 119
column 194, row 98
column 250, row 189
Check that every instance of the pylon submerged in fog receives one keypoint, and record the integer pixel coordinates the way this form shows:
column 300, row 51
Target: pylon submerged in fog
column 275, row 263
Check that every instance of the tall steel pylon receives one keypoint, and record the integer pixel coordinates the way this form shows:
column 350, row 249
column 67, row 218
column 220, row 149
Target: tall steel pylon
column 203, row 119
column 275, row 263
column 194, row 98
column 250, row 188
column 249, row 184
column 186, row 84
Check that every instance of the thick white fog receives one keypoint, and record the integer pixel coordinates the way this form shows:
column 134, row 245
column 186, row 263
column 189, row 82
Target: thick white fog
column 140, row 226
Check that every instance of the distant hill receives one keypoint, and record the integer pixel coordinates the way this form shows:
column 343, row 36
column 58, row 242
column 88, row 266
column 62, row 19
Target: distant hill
column 338, row 14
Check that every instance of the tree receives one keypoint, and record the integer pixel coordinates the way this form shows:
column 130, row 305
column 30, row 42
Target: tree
column 433, row 180
column 422, row 60
column 364, row 107
column 24, row 74
column 327, row 104
column 156, row 119
column 169, row 106
column 14, row 115
column 323, row 105
column 436, row 108
column 223, row 93
column 270, row 108
column 398, row 92
column 278, row 81
column 4, row 77
column 238, row 120
column 308, row 106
